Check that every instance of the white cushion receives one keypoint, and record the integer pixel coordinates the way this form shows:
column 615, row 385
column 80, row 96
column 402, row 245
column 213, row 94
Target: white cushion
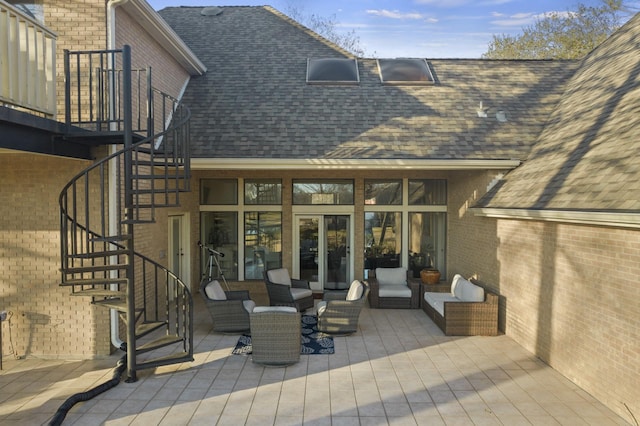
column 355, row 290
column 248, row 305
column 321, row 307
column 214, row 291
column 259, row 309
column 391, row 276
column 393, row 290
column 472, row 293
column 279, row 276
column 436, row 300
column 456, row 290
column 300, row 293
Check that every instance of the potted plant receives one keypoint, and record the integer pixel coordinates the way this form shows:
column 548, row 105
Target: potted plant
column 430, row 275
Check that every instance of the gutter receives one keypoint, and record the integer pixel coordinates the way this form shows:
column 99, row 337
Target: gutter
column 163, row 34
column 113, row 213
column 595, row 218
column 348, row 164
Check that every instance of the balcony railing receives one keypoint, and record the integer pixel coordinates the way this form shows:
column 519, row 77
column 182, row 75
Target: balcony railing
column 27, row 62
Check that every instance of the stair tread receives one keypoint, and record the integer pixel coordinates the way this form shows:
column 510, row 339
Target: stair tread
column 93, row 281
column 147, row 327
column 95, row 268
column 95, row 254
column 161, row 342
column 99, row 292
column 111, row 238
column 175, row 358
column 118, row 304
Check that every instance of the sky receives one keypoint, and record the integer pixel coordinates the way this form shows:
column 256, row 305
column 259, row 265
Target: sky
column 416, row 28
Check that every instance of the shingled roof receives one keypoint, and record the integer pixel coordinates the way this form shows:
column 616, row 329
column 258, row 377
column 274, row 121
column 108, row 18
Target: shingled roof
column 254, row 101
column 586, row 157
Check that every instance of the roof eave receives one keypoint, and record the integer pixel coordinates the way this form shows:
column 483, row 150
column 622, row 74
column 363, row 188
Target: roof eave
column 584, row 217
column 348, row 164
column 165, row 35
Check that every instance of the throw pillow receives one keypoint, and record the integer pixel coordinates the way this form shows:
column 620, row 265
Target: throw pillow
column 355, row 290
column 214, row 291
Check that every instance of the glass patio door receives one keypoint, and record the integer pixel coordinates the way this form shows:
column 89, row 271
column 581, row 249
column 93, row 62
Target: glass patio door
column 338, row 251
column 323, row 251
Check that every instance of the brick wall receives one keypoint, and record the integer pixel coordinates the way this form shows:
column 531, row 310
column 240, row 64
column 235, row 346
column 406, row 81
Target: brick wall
column 569, row 293
column 80, row 25
column 46, row 321
column 572, row 297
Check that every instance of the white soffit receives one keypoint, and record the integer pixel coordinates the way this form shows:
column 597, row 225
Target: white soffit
column 348, row 164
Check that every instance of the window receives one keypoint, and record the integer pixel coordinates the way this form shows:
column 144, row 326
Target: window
column 383, row 192
column 383, row 239
column 262, row 243
column 263, row 191
column 404, row 71
column 219, row 232
column 427, row 192
column 332, row 71
column 426, row 241
column 219, row 191
column 326, row 192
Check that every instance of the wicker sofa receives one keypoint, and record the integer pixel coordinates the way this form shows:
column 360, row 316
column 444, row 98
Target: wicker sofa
column 464, row 310
column 393, row 288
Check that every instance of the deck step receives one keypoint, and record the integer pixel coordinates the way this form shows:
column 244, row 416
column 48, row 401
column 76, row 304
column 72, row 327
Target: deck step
column 161, row 342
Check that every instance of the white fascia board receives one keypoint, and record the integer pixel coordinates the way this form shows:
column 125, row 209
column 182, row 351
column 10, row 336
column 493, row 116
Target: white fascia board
column 617, row 219
column 348, row 164
column 157, row 27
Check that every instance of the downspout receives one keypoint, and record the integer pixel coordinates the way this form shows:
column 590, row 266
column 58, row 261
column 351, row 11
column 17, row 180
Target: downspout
column 113, row 213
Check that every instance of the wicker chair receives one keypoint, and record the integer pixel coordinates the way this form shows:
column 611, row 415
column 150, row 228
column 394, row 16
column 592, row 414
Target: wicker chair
column 394, row 289
column 229, row 310
column 286, row 291
column 464, row 318
column 275, row 335
column 339, row 312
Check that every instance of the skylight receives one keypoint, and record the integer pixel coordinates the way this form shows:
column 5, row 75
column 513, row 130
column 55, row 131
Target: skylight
column 405, row 71
column 332, row 71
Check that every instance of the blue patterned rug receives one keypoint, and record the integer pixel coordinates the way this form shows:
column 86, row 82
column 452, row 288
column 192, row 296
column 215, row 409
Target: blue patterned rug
column 313, row 341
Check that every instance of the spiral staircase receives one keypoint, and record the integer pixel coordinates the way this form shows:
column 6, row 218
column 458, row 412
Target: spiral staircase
column 113, row 107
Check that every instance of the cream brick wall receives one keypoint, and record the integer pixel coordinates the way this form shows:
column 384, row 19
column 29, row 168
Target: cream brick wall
column 80, row 25
column 46, row 321
column 572, row 297
column 568, row 293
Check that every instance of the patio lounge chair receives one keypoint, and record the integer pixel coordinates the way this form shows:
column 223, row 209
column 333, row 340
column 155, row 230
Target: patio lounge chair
column 229, row 310
column 286, row 291
column 339, row 312
column 393, row 288
column 276, row 332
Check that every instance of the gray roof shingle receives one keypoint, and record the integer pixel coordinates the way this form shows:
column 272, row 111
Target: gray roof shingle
column 586, row 157
column 254, row 101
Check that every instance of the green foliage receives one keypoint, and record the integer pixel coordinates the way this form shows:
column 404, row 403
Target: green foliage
column 557, row 35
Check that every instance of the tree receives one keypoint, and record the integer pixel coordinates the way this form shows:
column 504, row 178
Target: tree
column 557, row 35
column 327, row 28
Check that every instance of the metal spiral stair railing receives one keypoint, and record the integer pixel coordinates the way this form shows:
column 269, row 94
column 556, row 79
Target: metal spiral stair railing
column 97, row 235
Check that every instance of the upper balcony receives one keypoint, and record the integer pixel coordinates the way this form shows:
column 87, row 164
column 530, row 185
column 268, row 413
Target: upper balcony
column 27, row 63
